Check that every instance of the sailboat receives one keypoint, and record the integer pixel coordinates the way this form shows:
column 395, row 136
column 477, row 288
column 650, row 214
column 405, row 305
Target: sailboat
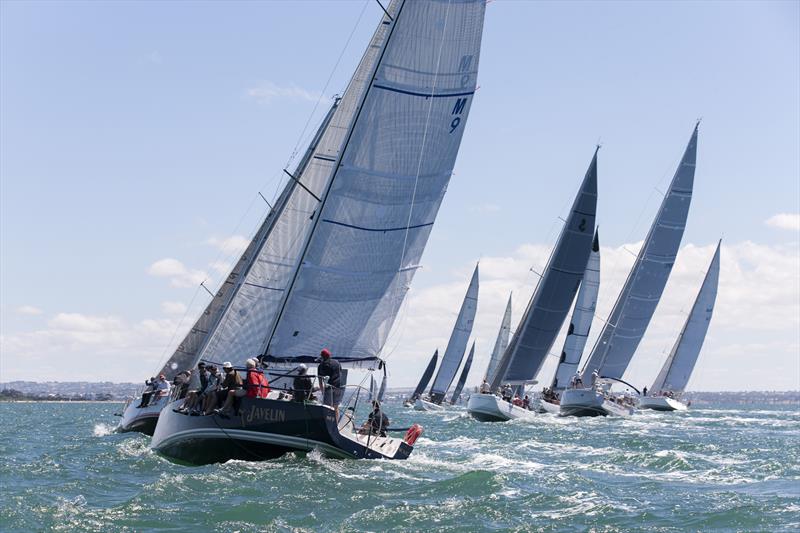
column 423, row 381
column 347, row 238
column 636, row 302
column 454, row 353
column 547, row 309
column 463, row 378
column 500, row 345
column 665, row 394
column 578, row 332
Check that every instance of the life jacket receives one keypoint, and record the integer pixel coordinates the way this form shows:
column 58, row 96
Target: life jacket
column 257, row 385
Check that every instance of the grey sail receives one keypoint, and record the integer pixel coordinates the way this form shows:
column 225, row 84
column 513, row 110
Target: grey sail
column 389, row 179
column 553, row 296
column 677, row 369
column 426, row 376
column 371, row 387
column 500, row 344
column 581, row 322
column 382, row 389
column 639, row 297
column 463, row 379
column 457, row 345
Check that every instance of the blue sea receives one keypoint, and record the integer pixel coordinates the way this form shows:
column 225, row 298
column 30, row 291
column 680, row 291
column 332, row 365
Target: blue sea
column 726, row 468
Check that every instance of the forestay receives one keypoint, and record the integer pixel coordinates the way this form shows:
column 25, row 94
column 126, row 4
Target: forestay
column 500, row 344
column 379, row 208
column 679, row 365
column 457, row 345
column 426, row 376
column 553, row 296
column 581, row 322
column 637, row 302
column 464, row 374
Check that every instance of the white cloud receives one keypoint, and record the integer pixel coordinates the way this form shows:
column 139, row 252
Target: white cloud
column 221, row 267
column 29, row 310
column 267, row 91
column 787, row 221
column 229, row 245
column 179, row 275
column 173, row 308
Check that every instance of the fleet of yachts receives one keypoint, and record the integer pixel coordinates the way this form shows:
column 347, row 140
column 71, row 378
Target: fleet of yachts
column 332, row 260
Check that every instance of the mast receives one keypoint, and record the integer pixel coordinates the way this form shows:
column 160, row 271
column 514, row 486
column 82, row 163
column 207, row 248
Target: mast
column 457, row 345
column 642, row 291
column 550, row 302
column 500, row 344
column 581, row 321
column 464, row 373
column 677, row 369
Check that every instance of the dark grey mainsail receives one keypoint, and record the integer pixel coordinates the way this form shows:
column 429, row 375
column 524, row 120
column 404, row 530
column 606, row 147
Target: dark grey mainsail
column 464, row 373
column 677, row 369
column 553, row 296
column 639, row 297
column 581, row 321
column 426, row 376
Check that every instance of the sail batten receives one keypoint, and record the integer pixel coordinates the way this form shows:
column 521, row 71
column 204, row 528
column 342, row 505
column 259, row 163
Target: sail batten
column 644, row 286
column 677, row 369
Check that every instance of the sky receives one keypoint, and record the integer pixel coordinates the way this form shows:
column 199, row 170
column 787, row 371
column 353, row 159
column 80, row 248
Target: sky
column 136, row 136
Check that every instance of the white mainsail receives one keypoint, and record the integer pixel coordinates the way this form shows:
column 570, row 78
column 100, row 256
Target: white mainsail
column 500, row 344
column 553, row 296
column 389, row 179
column 457, row 345
column 677, row 369
column 642, row 291
column 581, row 322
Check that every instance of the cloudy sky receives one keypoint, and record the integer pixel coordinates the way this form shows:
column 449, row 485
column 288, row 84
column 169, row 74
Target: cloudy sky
column 135, row 137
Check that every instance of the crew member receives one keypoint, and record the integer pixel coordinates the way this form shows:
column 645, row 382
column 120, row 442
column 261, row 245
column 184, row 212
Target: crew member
column 332, row 391
column 302, row 385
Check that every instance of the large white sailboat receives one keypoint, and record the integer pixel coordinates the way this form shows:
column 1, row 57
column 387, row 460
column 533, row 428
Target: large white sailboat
column 665, row 394
column 546, row 311
column 347, row 238
column 454, row 353
column 636, row 303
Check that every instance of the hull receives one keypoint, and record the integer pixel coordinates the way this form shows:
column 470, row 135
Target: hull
column 661, row 403
column 141, row 419
column 265, row 429
column 490, row 408
column 547, row 407
column 589, row 402
column 424, row 405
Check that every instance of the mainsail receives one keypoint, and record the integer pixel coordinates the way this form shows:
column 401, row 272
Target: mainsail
column 464, row 373
column 639, row 297
column 678, row 367
column 457, row 344
column 581, row 322
column 500, row 344
column 553, row 296
column 389, row 178
column 426, row 376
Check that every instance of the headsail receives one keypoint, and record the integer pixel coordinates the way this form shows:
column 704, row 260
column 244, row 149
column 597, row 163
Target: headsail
column 464, row 373
column 581, row 321
column 553, row 296
column 382, row 390
column 639, row 297
column 389, row 180
column 457, row 345
column 500, row 344
column 678, row 367
column 426, row 376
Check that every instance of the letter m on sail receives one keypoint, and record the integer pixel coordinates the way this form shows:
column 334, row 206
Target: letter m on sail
column 459, row 107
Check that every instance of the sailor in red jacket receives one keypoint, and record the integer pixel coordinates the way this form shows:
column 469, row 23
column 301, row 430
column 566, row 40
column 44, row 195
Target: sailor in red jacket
column 256, row 382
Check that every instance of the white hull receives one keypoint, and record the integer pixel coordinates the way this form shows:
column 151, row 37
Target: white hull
column 490, row 408
column 423, row 405
column 661, row 403
column 589, row 402
column 547, row 407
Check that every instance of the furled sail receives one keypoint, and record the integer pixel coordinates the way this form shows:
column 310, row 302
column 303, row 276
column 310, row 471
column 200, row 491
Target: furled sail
column 464, row 373
column 553, row 296
column 639, row 297
column 426, row 376
column 679, row 365
column 457, row 345
column 500, row 344
column 389, row 180
column 581, row 322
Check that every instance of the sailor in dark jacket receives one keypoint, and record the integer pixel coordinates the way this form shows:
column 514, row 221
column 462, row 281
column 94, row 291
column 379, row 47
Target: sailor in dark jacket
column 377, row 422
column 302, row 385
column 332, row 391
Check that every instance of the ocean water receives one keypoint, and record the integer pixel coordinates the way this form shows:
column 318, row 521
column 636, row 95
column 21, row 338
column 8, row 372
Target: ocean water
column 718, row 469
